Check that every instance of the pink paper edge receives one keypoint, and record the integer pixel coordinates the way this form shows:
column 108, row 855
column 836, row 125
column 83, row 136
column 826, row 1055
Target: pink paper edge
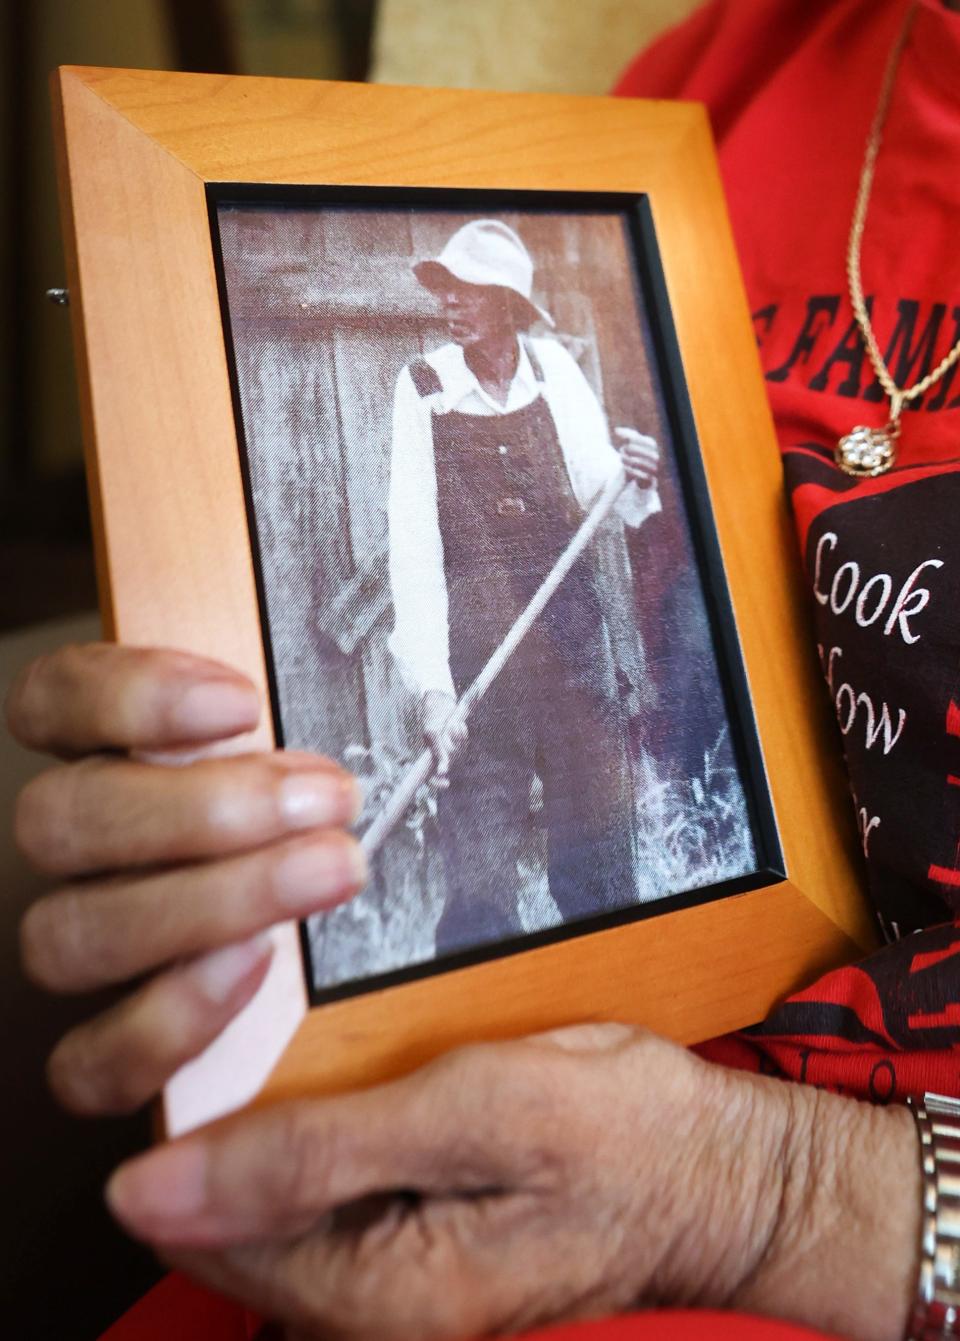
column 234, row 1068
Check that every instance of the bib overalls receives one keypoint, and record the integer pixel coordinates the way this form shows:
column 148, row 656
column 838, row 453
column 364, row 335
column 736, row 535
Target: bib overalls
column 507, row 512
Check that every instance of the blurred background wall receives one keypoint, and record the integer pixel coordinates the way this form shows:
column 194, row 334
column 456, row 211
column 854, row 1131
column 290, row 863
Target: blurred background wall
column 539, row 46
column 44, row 549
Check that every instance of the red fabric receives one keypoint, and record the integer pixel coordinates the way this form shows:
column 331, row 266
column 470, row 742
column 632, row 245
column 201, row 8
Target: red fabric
column 175, row 1310
column 680, row 1325
column 791, row 86
column 178, row 1310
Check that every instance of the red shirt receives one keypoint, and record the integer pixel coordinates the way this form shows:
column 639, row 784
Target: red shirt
column 792, row 86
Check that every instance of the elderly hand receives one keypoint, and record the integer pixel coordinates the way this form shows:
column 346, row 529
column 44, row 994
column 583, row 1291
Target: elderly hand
column 163, row 871
column 564, row 1176
column 640, row 455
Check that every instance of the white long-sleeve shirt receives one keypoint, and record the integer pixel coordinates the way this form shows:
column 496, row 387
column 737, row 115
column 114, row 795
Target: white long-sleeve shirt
column 420, row 640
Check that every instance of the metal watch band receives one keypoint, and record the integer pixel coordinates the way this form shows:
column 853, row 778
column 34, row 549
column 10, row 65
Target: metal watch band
column 936, row 1315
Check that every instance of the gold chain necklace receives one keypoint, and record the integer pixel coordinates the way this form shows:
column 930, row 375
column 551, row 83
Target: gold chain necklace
column 872, row 451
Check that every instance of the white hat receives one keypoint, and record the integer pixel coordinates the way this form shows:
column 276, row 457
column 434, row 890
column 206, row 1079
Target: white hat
column 484, row 251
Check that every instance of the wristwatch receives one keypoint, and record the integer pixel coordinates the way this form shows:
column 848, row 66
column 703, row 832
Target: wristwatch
column 936, row 1315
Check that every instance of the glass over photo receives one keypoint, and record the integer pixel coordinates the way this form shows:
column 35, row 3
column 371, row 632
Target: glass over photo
column 479, row 571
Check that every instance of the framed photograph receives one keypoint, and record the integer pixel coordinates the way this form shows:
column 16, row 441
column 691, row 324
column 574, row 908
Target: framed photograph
column 439, row 413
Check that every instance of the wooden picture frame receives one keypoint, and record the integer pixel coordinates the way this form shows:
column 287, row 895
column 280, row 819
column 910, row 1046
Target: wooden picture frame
column 144, row 158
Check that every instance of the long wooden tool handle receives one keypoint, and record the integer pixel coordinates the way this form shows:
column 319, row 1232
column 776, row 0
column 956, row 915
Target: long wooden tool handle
column 398, row 803
column 420, row 770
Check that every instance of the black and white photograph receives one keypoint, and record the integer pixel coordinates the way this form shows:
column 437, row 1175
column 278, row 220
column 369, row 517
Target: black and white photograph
column 480, row 581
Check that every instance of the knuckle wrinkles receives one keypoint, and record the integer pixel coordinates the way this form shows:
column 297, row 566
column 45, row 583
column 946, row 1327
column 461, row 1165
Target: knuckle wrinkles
column 121, row 1057
column 308, row 1160
column 31, row 703
column 376, row 1284
column 62, row 675
column 71, row 660
column 34, row 948
column 46, row 931
column 475, row 1069
column 35, row 817
column 107, row 713
column 48, row 824
column 112, row 698
column 17, row 707
column 75, row 667
column 75, row 1076
column 77, row 950
column 119, row 1060
column 131, row 706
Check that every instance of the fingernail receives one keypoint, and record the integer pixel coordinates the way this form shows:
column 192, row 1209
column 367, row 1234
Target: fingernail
column 308, row 876
column 221, row 972
column 214, row 708
column 164, row 1187
column 310, row 799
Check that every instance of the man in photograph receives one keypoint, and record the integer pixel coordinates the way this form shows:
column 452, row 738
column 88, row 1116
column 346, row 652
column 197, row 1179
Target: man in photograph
column 500, row 447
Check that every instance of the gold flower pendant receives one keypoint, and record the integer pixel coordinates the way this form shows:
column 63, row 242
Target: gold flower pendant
column 868, row 451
